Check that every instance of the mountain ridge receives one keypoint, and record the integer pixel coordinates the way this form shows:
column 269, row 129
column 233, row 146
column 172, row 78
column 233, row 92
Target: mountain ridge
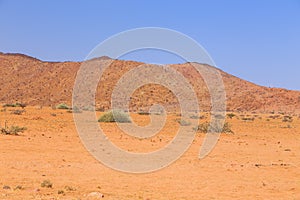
column 35, row 82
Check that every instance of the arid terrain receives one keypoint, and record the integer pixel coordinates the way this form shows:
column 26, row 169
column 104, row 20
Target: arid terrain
column 259, row 160
column 35, row 82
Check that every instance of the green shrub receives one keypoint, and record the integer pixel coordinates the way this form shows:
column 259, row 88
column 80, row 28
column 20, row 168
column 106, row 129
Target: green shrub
column 115, row 116
column 17, row 129
column 13, row 130
column 9, row 105
column 204, row 128
column 63, row 106
column 22, row 105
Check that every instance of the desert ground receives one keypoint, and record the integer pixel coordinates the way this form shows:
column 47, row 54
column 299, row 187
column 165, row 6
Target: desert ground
column 260, row 160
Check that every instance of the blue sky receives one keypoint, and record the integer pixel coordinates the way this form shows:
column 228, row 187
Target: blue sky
column 255, row 40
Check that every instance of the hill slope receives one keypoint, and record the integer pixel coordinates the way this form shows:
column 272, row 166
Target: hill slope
column 32, row 81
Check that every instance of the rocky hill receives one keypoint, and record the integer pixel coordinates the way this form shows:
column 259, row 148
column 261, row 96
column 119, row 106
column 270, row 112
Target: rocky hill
column 35, row 82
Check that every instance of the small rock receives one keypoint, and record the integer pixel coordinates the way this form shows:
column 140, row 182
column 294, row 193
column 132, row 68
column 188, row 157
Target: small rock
column 60, row 192
column 19, row 187
column 36, row 190
column 6, row 187
column 97, row 195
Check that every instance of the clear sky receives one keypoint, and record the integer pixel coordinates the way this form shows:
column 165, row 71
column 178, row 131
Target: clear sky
column 255, row 40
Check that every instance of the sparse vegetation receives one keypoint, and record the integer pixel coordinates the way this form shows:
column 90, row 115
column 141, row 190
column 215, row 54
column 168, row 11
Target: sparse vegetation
column 60, row 192
column 12, row 130
column 15, row 130
column 205, row 127
column 69, row 188
column 143, row 113
column 22, row 105
column 46, row 184
column 230, row 115
column 274, row 117
column 115, row 116
column 248, row 118
column 287, row 118
column 17, row 112
column 287, row 126
column 6, row 187
column 9, row 105
column 63, row 106
column 19, row 187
